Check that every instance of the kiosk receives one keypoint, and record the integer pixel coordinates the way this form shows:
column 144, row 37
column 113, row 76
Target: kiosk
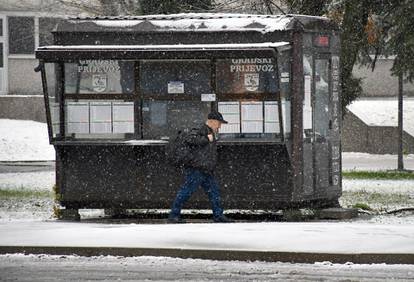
column 117, row 88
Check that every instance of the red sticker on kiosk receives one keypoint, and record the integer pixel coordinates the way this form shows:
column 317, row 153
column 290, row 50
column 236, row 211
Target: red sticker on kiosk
column 321, row 41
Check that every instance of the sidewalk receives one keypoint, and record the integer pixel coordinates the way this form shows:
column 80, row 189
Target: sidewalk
column 308, row 242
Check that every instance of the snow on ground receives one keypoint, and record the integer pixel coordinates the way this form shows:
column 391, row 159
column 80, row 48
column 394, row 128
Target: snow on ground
column 24, row 140
column 384, row 112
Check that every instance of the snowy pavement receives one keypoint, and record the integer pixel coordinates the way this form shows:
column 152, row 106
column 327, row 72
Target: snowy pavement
column 41, row 268
column 299, row 242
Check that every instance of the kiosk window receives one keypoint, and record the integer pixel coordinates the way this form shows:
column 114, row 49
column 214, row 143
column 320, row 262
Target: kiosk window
column 249, row 119
column 307, row 101
column 246, row 75
column 99, row 118
column 284, row 71
column 163, row 119
column 175, row 77
column 53, row 97
column 321, row 112
column 99, row 76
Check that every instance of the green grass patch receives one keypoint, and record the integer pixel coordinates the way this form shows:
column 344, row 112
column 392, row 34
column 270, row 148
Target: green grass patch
column 362, row 206
column 24, row 193
column 387, row 175
column 373, row 201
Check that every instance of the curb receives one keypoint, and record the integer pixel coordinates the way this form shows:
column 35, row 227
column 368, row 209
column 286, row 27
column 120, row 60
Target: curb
column 292, row 257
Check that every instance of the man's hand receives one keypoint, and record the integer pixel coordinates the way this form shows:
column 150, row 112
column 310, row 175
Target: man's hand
column 210, row 137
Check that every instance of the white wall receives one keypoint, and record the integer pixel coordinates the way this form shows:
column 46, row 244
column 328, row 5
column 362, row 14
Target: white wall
column 380, row 82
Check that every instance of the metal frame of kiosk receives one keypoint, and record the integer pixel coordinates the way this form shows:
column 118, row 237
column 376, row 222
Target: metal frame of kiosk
column 117, row 89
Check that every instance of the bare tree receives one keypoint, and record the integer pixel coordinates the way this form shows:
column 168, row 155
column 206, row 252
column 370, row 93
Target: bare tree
column 103, row 7
column 250, row 6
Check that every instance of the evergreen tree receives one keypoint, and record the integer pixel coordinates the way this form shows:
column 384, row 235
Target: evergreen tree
column 369, row 28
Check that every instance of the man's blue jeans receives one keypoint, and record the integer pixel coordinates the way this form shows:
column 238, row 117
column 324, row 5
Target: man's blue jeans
column 193, row 179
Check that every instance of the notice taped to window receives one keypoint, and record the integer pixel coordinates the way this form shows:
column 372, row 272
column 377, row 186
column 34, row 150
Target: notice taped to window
column 175, row 87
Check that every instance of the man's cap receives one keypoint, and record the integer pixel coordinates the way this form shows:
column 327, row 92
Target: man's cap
column 217, row 116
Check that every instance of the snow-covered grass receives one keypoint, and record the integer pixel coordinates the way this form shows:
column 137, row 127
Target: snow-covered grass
column 24, row 140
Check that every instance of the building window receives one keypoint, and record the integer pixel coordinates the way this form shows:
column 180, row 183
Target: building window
column 1, row 57
column 21, row 35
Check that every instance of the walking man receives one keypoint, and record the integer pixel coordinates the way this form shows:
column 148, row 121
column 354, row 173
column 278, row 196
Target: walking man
column 199, row 170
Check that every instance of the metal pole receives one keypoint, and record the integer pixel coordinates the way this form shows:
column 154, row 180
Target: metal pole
column 400, row 123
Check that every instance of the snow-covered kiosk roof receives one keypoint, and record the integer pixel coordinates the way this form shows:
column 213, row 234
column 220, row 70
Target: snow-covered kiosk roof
column 200, row 31
column 193, row 22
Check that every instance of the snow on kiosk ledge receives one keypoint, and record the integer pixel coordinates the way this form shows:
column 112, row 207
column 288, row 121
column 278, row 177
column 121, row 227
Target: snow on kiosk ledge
column 172, row 46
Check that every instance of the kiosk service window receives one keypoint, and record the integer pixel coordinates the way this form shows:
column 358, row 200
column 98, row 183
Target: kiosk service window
column 95, row 98
column 107, row 98
column 172, row 93
column 248, row 97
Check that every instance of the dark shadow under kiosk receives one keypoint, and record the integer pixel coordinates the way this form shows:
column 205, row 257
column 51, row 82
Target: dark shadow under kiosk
column 116, row 89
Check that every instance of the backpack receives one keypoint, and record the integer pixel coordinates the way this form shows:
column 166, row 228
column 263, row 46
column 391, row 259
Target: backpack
column 178, row 152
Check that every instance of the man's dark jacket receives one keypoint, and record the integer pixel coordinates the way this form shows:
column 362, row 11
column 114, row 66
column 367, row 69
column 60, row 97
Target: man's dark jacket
column 204, row 152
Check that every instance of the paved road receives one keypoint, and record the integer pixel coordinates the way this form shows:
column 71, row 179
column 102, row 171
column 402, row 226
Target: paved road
column 74, row 268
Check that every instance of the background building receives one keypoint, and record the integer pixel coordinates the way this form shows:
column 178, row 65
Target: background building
column 25, row 25
column 371, row 122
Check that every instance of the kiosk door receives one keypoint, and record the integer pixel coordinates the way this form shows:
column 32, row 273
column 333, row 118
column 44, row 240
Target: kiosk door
column 316, row 124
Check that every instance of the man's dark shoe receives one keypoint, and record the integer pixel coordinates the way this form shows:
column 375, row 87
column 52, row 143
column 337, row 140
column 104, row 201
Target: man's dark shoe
column 176, row 220
column 222, row 219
